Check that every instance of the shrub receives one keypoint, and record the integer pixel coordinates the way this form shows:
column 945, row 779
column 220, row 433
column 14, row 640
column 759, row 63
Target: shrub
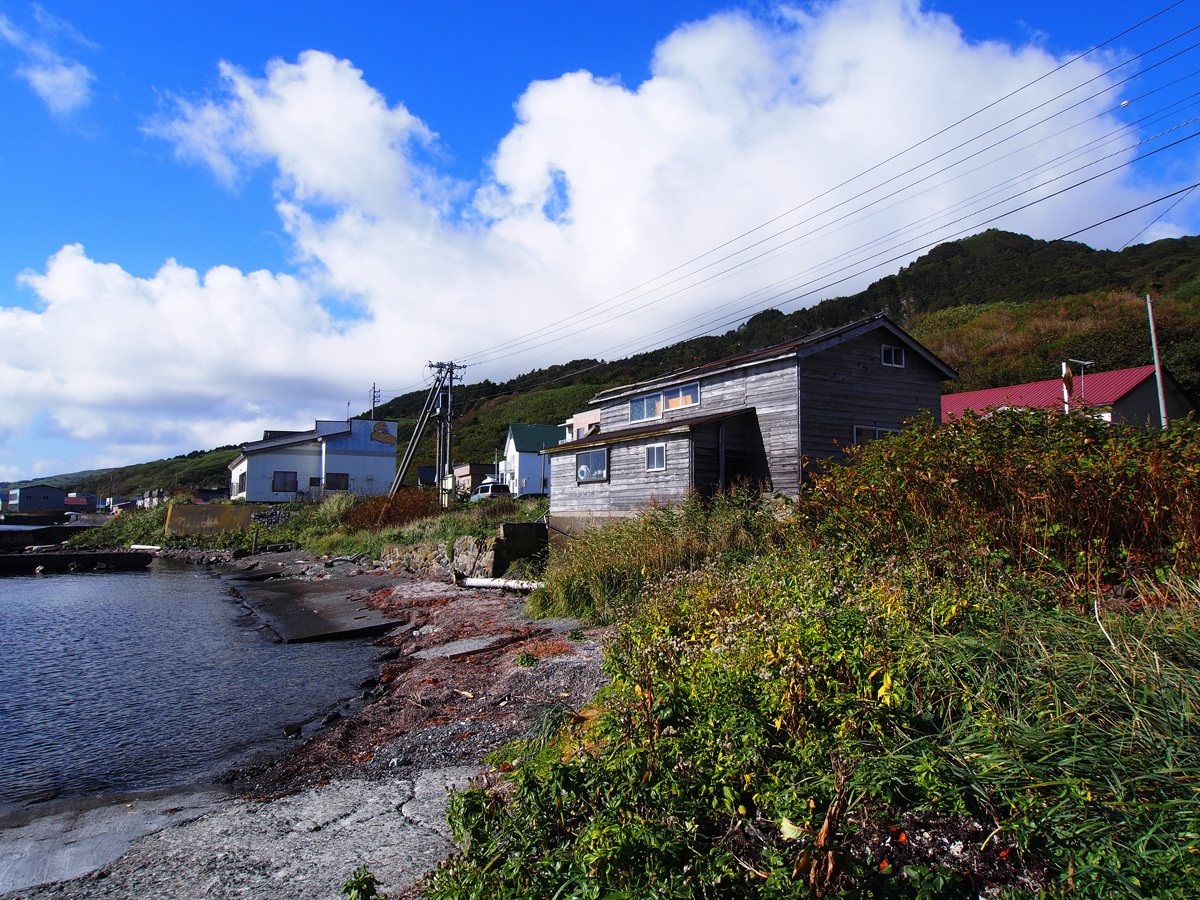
column 1036, row 489
column 887, row 699
column 601, row 572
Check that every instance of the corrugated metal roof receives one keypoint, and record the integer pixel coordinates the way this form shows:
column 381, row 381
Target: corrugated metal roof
column 1093, row 389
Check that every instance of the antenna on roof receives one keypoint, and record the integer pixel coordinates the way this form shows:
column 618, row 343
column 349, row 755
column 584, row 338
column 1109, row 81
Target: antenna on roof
column 1083, row 364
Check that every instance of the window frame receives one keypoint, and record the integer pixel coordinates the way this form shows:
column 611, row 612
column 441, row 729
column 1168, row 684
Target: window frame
column 330, row 485
column 884, row 356
column 642, row 400
column 872, row 433
column 662, row 401
column 276, row 480
column 583, row 458
column 241, row 483
column 692, row 388
column 660, row 452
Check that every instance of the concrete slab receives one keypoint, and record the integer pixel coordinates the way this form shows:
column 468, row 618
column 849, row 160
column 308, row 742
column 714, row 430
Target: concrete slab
column 464, row 646
column 300, row 611
column 67, row 838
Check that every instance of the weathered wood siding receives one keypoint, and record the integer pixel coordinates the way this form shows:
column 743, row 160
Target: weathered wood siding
column 849, row 385
column 728, row 452
column 630, row 486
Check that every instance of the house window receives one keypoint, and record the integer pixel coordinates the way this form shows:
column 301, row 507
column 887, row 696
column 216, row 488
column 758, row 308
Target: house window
column 864, row 434
column 677, row 398
column 314, row 481
column 283, row 482
column 337, row 481
column 893, row 356
column 242, row 483
column 656, row 458
column 643, row 408
column 591, row 466
column 651, row 406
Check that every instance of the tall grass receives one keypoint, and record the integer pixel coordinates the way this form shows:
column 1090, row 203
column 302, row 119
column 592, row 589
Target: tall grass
column 800, row 708
column 601, row 572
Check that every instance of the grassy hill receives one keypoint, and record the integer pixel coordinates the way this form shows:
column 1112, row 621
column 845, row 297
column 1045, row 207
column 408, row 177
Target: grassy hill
column 61, row 481
column 1000, row 308
column 198, row 469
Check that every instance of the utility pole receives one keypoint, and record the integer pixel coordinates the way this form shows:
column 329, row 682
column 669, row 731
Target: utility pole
column 1162, row 400
column 375, row 396
column 439, row 406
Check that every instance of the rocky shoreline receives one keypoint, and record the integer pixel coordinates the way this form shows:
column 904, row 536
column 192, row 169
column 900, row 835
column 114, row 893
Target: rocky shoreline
column 366, row 783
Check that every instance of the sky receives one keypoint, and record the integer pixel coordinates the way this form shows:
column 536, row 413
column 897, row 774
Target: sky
column 220, row 218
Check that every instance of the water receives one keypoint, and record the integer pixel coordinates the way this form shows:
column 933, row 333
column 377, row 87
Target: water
column 133, row 680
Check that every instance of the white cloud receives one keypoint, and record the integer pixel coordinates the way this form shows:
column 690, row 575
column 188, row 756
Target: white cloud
column 596, row 188
column 64, row 84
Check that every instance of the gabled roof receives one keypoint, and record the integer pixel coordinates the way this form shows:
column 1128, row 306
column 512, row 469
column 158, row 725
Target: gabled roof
column 1093, row 389
column 274, row 439
column 532, row 438
column 808, row 345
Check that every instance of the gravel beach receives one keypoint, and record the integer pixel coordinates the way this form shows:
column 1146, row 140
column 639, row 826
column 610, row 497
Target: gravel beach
column 366, row 783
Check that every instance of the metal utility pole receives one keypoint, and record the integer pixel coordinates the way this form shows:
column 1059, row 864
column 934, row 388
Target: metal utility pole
column 375, row 396
column 1162, row 400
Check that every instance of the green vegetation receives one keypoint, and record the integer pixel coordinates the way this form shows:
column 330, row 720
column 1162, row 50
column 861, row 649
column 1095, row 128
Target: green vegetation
column 198, row 469
column 340, row 525
column 1000, row 308
column 362, row 886
column 966, row 665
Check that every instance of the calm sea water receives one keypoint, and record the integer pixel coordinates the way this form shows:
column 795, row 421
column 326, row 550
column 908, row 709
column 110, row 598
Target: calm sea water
column 132, row 680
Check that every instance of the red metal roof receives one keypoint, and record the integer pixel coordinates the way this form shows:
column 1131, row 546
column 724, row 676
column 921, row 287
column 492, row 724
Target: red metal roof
column 1093, row 389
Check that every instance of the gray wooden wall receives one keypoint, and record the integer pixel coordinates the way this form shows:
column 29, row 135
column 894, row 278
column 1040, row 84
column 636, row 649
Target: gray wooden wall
column 849, row 385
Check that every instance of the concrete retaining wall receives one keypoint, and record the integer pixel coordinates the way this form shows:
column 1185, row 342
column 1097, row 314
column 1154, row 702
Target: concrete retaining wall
column 471, row 557
column 209, row 519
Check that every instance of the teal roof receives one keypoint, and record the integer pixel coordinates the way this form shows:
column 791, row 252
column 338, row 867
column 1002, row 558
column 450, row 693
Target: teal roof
column 532, row 438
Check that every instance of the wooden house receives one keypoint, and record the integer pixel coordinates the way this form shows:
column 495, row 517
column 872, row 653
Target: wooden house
column 760, row 417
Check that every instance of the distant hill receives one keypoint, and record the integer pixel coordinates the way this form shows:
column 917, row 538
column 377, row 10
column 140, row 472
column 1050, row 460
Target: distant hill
column 198, row 469
column 59, row 481
column 1000, row 308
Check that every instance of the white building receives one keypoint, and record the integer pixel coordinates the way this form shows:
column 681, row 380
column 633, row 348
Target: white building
column 523, row 468
column 358, row 456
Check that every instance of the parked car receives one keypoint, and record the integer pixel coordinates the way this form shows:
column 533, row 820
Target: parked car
column 490, row 490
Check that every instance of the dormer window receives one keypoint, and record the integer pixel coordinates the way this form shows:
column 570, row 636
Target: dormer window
column 651, row 406
column 892, row 356
column 644, row 408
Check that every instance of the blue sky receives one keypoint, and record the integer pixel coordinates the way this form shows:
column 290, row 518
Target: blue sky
column 226, row 217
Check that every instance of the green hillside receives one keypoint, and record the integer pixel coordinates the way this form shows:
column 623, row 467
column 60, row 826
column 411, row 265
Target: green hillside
column 1000, row 308
column 198, row 469
column 60, row 481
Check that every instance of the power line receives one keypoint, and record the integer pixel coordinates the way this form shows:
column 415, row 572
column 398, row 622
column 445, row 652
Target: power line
column 562, row 324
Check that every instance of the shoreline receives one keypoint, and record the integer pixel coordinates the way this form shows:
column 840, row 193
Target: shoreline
column 301, row 821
